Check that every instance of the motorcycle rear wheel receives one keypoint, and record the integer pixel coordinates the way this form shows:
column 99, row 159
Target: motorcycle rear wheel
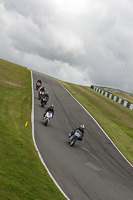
column 43, row 104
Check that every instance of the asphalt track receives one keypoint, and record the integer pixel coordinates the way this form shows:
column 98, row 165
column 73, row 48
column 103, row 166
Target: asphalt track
column 91, row 170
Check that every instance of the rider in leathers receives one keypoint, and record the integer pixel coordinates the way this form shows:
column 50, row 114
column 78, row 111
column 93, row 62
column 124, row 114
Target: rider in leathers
column 45, row 95
column 50, row 109
column 39, row 80
column 42, row 89
column 37, row 84
column 81, row 129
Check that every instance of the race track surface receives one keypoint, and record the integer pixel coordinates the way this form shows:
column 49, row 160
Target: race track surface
column 91, row 170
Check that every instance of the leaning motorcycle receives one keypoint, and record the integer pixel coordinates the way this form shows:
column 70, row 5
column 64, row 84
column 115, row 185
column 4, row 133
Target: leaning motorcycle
column 74, row 138
column 38, row 85
column 40, row 94
column 43, row 101
column 47, row 118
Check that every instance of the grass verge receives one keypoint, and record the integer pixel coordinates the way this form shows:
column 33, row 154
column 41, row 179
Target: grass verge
column 22, row 175
column 115, row 119
column 123, row 95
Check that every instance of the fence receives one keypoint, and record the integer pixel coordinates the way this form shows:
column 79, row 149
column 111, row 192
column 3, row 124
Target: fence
column 114, row 97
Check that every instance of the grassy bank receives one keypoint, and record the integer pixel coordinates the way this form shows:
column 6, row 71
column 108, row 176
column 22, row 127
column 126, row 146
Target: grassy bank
column 22, row 175
column 123, row 95
column 120, row 94
column 115, row 119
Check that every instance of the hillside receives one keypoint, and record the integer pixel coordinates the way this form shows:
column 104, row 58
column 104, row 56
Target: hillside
column 22, row 175
column 115, row 119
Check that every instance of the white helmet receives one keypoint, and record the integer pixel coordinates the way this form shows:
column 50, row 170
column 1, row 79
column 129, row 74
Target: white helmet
column 82, row 127
column 52, row 106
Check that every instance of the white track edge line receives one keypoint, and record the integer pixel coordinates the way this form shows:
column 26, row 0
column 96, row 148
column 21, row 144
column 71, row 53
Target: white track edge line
column 33, row 137
column 98, row 125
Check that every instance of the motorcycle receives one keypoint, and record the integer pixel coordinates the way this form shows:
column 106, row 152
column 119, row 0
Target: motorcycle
column 38, row 85
column 40, row 94
column 75, row 137
column 43, row 101
column 47, row 118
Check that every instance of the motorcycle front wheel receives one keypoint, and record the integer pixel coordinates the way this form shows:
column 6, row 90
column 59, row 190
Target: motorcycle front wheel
column 46, row 122
column 72, row 142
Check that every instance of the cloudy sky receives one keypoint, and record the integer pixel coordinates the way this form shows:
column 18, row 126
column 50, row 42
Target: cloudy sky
column 80, row 41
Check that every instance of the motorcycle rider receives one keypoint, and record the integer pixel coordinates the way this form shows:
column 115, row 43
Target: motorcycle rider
column 49, row 109
column 42, row 89
column 39, row 80
column 45, row 95
column 37, row 83
column 81, row 128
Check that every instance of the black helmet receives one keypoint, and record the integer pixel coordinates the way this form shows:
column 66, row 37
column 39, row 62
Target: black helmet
column 82, row 127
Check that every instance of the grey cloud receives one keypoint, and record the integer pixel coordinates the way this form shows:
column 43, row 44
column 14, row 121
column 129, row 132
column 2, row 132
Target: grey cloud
column 91, row 38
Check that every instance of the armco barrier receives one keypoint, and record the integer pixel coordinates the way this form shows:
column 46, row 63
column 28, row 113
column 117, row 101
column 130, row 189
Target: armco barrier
column 113, row 97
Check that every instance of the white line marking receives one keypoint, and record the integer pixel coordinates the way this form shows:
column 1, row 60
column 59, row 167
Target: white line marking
column 98, row 125
column 33, row 136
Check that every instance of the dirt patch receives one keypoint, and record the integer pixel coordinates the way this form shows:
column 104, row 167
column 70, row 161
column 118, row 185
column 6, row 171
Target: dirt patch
column 14, row 84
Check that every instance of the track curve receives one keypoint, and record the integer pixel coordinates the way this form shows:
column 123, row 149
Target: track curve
column 91, row 170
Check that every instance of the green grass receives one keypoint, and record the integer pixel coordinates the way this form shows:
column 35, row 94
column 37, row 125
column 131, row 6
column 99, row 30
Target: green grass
column 115, row 119
column 22, row 175
column 123, row 95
